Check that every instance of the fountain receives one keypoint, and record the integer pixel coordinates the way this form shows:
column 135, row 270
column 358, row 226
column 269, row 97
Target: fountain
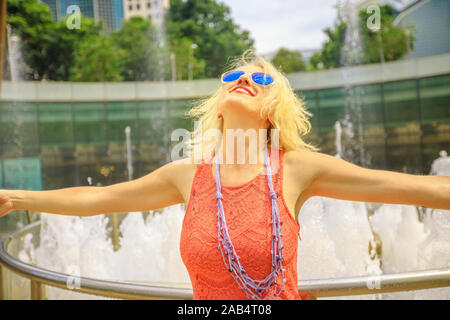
column 20, row 170
column 337, row 241
column 16, row 63
column 339, row 238
column 441, row 166
column 351, row 55
column 129, row 153
column 336, row 238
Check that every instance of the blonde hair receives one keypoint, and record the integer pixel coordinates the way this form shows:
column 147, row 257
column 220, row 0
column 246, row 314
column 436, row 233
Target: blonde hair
column 287, row 110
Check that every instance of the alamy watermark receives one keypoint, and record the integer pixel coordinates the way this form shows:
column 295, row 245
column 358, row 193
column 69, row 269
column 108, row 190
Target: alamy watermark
column 235, row 145
column 73, row 17
column 374, row 21
column 374, row 280
column 74, row 280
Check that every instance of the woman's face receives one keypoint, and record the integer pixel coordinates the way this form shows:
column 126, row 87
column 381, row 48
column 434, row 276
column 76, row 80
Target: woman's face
column 242, row 97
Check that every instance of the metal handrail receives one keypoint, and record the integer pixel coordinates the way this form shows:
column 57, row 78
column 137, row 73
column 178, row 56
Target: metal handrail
column 361, row 285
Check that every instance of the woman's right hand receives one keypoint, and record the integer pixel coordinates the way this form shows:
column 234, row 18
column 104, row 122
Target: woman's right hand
column 6, row 203
column 158, row 189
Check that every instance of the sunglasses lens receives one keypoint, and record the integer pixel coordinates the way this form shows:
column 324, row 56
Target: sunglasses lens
column 262, row 78
column 232, row 76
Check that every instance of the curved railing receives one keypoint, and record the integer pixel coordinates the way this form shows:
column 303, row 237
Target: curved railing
column 125, row 290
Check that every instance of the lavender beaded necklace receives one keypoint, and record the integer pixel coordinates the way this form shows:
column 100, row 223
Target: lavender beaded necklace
column 253, row 288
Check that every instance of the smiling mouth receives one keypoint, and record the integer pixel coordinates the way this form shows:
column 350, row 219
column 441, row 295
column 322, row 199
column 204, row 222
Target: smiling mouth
column 242, row 90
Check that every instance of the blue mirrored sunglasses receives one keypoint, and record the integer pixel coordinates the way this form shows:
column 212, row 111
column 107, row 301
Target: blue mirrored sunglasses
column 257, row 77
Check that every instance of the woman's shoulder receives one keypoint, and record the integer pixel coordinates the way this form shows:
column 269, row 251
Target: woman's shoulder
column 294, row 156
column 300, row 161
column 183, row 170
column 186, row 164
column 181, row 173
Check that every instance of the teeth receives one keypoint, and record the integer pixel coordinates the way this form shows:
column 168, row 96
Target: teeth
column 241, row 90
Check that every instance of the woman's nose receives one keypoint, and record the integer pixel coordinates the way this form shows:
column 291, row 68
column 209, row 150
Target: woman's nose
column 244, row 79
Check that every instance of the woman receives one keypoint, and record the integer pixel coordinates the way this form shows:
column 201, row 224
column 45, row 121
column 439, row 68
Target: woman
column 239, row 235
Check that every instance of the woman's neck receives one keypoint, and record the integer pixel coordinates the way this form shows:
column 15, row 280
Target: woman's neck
column 242, row 143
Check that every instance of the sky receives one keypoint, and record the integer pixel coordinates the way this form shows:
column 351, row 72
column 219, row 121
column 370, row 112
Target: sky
column 293, row 24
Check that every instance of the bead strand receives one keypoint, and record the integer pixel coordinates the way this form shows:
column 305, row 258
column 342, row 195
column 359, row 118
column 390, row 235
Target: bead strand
column 253, row 288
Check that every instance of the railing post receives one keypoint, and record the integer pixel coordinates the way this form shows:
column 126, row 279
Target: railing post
column 2, row 284
column 2, row 37
column 29, row 216
column 115, row 222
column 36, row 290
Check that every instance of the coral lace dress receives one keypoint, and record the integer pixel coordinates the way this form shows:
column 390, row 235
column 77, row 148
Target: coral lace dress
column 248, row 214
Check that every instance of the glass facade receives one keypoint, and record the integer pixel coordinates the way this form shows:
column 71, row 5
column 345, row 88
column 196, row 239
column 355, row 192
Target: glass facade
column 405, row 125
column 53, row 145
column 79, row 140
column 52, row 4
column 426, row 18
column 86, row 7
column 110, row 11
column 118, row 13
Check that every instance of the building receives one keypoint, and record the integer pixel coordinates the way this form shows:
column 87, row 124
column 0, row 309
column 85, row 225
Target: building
column 153, row 9
column 53, row 5
column 110, row 11
column 430, row 20
column 398, row 5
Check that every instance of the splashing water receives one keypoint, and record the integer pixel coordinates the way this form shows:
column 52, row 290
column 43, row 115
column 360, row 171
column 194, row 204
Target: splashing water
column 441, row 166
column 15, row 56
column 338, row 130
column 149, row 250
column 352, row 54
column 129, row 152
column 339, row 237
column 335, row 243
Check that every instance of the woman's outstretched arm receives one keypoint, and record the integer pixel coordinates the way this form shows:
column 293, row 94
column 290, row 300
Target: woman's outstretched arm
column 336, row 178
column 153, row 191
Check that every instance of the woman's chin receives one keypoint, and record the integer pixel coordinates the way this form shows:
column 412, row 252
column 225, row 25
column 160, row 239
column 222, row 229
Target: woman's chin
column 238, row 104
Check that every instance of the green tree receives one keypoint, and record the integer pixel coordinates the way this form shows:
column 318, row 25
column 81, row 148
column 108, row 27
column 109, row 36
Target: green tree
column 62, row 45
column 390, row 42
column 140, row 44
column 185, row 60
column 209, row 25
column 315, row 62
column 387, row 44
column 31, row 21
column 48, row 47
column 289, row 60
column 97, row 59
column 330, row 55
